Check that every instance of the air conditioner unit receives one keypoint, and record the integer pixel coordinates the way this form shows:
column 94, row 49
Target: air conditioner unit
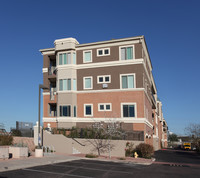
column 105, row 85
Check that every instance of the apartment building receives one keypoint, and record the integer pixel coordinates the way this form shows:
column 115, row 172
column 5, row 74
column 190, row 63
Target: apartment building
column 160, row 127
column 101, row 82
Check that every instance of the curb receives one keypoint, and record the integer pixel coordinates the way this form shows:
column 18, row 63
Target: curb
column 119, row 161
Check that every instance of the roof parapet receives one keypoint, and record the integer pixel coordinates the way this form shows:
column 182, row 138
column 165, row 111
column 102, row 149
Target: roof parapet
column 65, row 43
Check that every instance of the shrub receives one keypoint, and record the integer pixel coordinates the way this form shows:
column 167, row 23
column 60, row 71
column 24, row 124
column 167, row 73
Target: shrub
column 91, row 156
column 144, row 150
column 6, row 139
column 129, row 149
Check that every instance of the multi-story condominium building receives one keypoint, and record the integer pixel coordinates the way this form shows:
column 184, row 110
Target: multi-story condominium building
column 160, row 127
column 99, row 82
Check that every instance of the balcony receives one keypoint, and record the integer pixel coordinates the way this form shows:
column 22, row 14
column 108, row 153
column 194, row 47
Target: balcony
column 52, row 110
column 52, row 73
column 52, row 93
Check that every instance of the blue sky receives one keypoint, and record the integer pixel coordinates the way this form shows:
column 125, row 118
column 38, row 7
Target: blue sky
column 171, row 29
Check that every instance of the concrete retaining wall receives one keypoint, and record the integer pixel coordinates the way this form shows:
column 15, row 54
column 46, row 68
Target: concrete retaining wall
column 60, row 143
column 4, row 152
column 63, row 144
column 18, row 152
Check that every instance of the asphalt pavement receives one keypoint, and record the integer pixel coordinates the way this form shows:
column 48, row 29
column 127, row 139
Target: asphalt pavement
column 169, row 163
column 179, row 157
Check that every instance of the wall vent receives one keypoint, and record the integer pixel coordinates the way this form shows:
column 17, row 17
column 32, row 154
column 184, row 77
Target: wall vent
column 105, row 85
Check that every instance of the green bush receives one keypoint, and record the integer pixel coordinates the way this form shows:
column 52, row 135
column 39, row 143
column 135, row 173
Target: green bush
column 6, row 139
column 145, row 150
column 91, row 156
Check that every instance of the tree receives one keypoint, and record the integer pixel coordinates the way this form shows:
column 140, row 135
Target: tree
column 173, row 138
column 101, row 134
column 193, row 130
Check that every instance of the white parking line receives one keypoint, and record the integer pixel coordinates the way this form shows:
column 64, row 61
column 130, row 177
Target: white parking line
column 64, row 174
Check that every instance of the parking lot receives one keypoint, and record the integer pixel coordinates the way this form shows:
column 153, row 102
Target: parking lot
column 169, row 163
column 78, row 168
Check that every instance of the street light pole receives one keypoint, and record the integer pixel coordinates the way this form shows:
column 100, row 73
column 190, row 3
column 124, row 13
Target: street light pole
column 40, row 87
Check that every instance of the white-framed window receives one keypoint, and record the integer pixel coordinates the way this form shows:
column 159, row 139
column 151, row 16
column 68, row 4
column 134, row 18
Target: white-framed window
column 104, row 107
column 127, row 52
column 88, row 110
column 65, row 111
column 103, row 52
column 64, row 58
column 127, row 81
column 104, row 79
column 87, row 56
column 67, row 84
column 128, row 110
column 87, row 82
column 64, row 84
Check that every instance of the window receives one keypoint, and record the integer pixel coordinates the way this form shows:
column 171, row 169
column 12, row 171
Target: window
column 74, row 84
column 88, row 110
column 127, row 53
column 108, row 107
column 103, row 52
column 107, row 79
column 64, row 58
column 127, row 81
column 101, row 79
column 65, row 111
column 104, row 107
column 106, row 51
column 104, row 79
column 100, row 52
column 64, row 84
column 74, row 58
column 87, row 81
column 74, row 111
column 87, row 56
column 128, row 110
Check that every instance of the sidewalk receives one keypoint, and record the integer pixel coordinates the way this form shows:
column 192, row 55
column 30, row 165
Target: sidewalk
column 21, row 163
